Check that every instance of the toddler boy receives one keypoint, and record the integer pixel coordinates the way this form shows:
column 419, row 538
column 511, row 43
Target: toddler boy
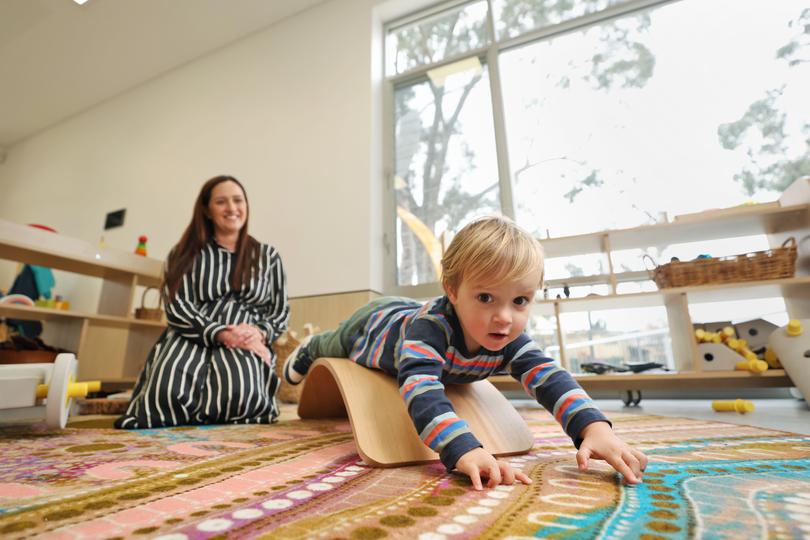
column 490, row 273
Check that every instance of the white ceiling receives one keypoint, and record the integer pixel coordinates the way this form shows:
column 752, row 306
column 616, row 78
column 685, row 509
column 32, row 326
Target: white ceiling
column 58, row 58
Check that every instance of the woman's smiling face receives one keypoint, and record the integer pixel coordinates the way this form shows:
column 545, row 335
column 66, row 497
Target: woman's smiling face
column 227, row 208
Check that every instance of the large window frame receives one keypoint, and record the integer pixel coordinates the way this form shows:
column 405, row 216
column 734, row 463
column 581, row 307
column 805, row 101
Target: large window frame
column 488, row 55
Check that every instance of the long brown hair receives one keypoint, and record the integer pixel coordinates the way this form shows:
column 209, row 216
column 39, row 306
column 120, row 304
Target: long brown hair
column 200, row 232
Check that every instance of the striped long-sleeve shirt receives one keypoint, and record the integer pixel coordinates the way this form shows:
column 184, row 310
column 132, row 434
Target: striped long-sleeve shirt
column 423, row 347
column 189, row 378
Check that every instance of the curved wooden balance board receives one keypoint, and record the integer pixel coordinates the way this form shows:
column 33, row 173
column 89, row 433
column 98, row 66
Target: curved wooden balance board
column 383, row 430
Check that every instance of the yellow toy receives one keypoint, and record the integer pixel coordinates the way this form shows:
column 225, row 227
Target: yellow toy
column 753, row 365
column 741, row 406
column 29, row 390
column 727, row 336
column 770, row 357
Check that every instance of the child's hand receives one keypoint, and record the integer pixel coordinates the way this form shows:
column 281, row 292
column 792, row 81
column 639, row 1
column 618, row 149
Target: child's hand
column 599, row 442
column 478, row 462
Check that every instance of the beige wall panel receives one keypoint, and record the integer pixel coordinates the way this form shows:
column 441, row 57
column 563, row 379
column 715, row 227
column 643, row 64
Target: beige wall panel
column 102, row 352
column 326, row 311
column 65, row 334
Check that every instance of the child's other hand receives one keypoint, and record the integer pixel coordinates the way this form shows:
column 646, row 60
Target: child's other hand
column 478, row 463
column 599, row 442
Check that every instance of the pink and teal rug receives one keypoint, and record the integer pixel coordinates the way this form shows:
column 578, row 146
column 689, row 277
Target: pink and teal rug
column 301, row 479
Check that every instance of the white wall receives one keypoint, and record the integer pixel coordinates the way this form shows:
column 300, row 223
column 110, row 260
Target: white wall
column 292, row 111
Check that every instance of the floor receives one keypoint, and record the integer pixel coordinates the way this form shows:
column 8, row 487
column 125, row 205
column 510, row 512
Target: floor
column 785, row 414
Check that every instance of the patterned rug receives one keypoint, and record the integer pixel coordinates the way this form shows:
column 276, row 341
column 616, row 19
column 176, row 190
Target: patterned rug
column 301, row 479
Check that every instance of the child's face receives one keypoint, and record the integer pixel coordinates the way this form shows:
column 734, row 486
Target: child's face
column 492, row 316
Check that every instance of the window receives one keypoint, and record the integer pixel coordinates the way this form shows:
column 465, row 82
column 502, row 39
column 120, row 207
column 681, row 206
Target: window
column 575, row 116
column 445, row 165
column 632, row 111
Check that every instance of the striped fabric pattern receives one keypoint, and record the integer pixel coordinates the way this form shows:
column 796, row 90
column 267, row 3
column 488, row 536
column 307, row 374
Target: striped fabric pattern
column 423, row 347
column 569, row 404
column 188, row 378
column 417, row 385
column 443, row 430
column 536, row 376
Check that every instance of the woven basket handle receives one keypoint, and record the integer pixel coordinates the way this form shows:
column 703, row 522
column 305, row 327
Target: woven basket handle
column 790, row 242
column 143, row 297
column 647, row 257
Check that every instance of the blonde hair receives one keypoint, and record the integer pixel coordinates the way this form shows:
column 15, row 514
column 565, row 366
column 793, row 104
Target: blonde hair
column 491, row 250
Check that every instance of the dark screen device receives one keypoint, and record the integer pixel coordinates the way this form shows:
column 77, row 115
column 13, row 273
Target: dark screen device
column 114, row 219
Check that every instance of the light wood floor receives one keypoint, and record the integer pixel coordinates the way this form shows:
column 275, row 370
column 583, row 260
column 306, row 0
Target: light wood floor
column 784, row 414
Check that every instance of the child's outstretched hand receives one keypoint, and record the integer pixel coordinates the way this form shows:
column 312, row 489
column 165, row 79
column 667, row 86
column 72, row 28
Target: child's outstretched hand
column 599, row 442
column 478, row 463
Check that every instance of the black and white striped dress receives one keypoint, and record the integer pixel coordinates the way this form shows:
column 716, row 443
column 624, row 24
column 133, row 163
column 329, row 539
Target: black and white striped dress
column 189, row 378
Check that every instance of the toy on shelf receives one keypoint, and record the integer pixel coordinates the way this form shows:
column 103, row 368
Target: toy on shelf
column 741, row 406
column 141, row 248
column 791, row 345
column 17, row 299
column 23, row 387
column 57, row 302
column 723, row 346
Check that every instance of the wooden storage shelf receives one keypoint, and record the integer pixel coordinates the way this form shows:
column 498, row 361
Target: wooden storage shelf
column 723, row 292
column 44, row 248
column 111, row 345
column 788, row 217
column 742, row 221
column 667, row 381
column 47, row 314
column 598, row 279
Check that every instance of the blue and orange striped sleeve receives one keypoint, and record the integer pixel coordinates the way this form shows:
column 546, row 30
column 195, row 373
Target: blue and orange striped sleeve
column 552, row 386
column 421, row 362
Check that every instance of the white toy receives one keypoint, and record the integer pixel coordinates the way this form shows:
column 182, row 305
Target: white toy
column 718, row 357
column 29, row 390
column 791, row 344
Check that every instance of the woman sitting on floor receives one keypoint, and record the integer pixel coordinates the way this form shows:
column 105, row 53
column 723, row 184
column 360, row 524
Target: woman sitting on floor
column 226, row 302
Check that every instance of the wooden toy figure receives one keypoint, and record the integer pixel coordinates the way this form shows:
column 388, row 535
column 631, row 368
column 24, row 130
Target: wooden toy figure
column 141, row 249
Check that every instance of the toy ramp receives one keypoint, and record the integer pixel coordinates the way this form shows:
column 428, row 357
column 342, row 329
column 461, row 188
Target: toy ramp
column 383, row 431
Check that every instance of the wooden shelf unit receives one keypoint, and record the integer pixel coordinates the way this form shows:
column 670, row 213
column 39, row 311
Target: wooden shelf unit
column 111, row 345
column 790, row 216
column 773, row 378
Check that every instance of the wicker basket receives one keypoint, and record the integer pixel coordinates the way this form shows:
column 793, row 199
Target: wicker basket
column 758, row 265
column 149, row 314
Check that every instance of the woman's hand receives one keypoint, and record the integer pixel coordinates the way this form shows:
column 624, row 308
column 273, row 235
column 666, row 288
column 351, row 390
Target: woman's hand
column 599, row 442
column 247, row 337
column 229, row 337
column 478, row 463
column 244, row 336
column 260, row 349
column 248, row 333
column 241, row 336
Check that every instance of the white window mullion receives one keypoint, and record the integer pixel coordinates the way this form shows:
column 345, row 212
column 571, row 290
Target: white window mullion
column 501, row 147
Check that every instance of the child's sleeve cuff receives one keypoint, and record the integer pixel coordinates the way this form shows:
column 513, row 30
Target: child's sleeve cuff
column 459, row 446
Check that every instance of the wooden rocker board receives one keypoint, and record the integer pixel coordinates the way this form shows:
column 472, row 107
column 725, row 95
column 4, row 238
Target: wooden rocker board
column 383, row 430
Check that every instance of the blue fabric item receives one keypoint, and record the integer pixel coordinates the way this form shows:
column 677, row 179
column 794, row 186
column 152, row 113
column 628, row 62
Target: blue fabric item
column 25, row 284
column 44, row 280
